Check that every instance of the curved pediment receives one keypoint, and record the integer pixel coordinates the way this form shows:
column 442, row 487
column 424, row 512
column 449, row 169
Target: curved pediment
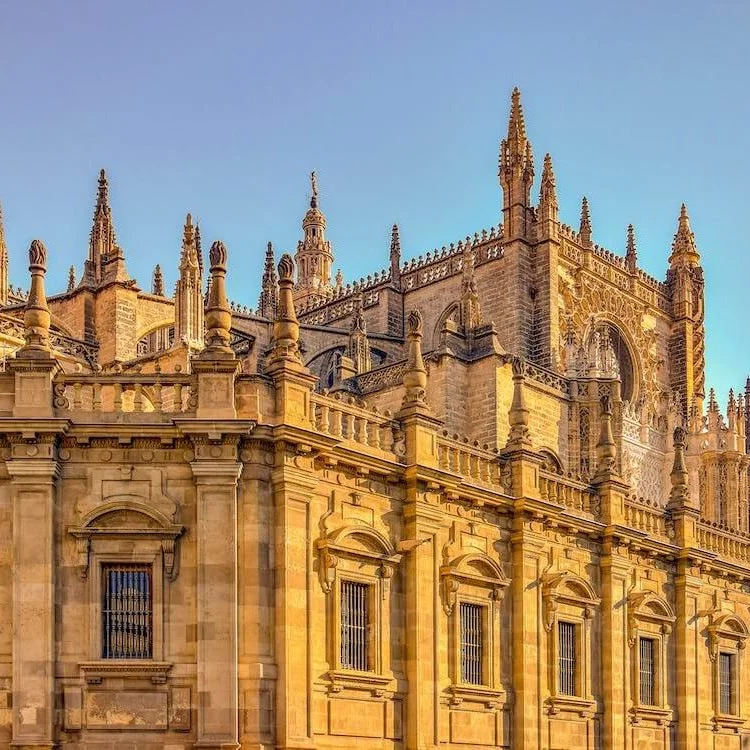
column 475, row 564
column 125, row 513
column 362, row 538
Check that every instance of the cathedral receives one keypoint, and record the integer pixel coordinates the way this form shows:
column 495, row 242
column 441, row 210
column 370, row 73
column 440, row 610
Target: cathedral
column 481, row 498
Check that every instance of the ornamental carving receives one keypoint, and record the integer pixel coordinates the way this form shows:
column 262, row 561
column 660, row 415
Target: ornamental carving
column 586, row 300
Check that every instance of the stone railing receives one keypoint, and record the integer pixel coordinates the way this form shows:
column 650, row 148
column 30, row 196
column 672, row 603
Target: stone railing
column 646, row 517
column 725, row 543
column 568, row 492
column 387, row 376
column 472, row 462
column 119, row 394
column 341, row 416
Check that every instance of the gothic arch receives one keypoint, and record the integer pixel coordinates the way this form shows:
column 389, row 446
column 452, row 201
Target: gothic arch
column 448, row 313
column 625, row 349
column 153, row 327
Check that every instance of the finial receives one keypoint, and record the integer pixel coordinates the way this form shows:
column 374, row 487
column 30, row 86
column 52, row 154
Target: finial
column 71, row 279
column 339, row 279
column 285, row 338
column 314, row 190
column 157, row 285
column 606, row 450
column 2, row 228
column 516, row 122
column 518, row 416
column 678, row 477
column 415, row 375
column 269, row 291
column 631, row 254
column 36, row 318
column 585, row 229
column 218, row 312
column 713, row 404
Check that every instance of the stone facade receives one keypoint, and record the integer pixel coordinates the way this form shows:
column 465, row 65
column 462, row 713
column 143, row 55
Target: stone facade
column 478, row 499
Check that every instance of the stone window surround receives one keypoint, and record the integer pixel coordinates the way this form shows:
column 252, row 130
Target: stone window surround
column 474, row 578
column 568, row 598
column 727, row 633
column 363, row 555
column 649, row 616
column 99, row 545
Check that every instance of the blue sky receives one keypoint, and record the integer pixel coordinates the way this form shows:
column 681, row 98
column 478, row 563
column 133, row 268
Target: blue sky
column 223, row 108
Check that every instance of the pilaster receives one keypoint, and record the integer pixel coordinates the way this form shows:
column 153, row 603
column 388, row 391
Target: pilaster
column 34, row 472
column 216, row 471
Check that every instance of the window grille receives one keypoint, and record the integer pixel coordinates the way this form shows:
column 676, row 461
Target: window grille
column 471, row 643
column 647, row 672
column 566, row 636
column 726, row 683
column 354, row 626
column 127, row 612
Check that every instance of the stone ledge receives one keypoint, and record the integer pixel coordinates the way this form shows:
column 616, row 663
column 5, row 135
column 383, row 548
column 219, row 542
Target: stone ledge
column 95, row 671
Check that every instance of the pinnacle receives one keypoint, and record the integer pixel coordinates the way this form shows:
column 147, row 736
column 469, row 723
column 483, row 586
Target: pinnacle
column 516, row 123
column 631, row 252
column 395, row 240
column 684, row 239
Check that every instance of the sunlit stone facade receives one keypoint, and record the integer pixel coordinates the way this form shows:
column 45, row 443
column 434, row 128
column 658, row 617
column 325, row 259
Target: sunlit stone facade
column 480, row 498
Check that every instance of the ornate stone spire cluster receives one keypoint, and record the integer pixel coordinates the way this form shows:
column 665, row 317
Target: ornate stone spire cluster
column 157, row 283
column 189, row 310
column 106, row 262
column 4, row 281
column 71, row 279
column 269, row 290
column 516, row 171
column 314, row 257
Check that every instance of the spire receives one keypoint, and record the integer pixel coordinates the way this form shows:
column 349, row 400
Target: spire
column 314, row 256
column 4, row 284
column 516, row 171
column 548, row 193
column 585, row 230
column 189, row 307
column 157, row 284
column 199, row 248
column 269, row 293
column 631, row 253
column 106, row 262
column 684, row 249
column 71, row 279
column 395, row 257
column 36, row 319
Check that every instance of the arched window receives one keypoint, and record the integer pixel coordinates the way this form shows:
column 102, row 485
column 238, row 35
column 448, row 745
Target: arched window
column 608, row 355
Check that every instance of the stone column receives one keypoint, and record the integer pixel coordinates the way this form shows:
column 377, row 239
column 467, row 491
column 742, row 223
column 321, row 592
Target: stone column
column 216, row 532
column 33, row 471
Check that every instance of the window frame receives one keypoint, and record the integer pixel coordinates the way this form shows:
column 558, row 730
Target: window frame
column 371, row 642
column 481, row 609
column 727, row 634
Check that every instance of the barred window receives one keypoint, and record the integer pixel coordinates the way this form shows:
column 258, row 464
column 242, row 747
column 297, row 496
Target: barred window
column 471, row 643
column 647, row 691
column 566, row 645
column 726, row 683
column 127, row 612
column 355, row 623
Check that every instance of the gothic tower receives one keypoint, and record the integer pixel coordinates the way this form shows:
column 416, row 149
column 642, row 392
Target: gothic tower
column 314, row 256
column 687, row 339
column 188, row 327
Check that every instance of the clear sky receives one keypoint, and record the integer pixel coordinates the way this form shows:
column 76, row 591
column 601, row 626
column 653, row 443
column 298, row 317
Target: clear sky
column 222, row 108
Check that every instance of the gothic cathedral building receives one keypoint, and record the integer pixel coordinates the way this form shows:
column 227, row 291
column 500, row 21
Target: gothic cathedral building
column 478, row 499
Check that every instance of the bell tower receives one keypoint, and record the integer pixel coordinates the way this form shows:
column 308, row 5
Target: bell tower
column 314, row 257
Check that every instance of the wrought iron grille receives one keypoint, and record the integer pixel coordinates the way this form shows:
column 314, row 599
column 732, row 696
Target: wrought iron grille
column 647, row 672
column 127, row 612
column 471, row 643
column 566, row 644
column 726, row 683
column 355, row 626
